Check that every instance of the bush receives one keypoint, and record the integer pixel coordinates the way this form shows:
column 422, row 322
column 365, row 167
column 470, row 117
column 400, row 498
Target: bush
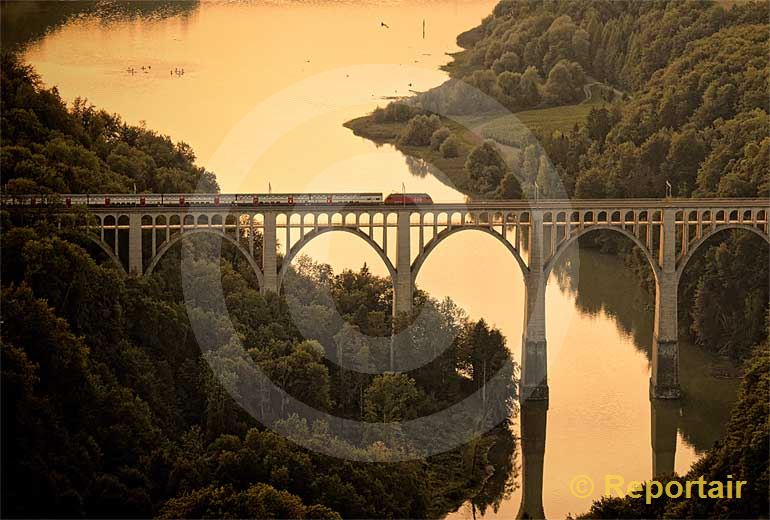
column 419, row 130
column 450, row 147
column 393, row 113
column 438, row 137
column 485, row 168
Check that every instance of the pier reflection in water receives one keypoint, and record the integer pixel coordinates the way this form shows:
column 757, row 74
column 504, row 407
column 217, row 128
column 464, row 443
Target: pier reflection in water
column 599, row 419
column 533, row 420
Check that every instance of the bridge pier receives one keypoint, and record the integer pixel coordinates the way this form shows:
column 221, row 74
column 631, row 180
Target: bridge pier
column 664, row 380
column 270, row 254
column 534, row 359
column 135, row 267
column 402, row 285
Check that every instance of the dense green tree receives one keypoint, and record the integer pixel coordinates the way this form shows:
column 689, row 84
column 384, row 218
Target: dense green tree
column 392, row 398
column 485, row 168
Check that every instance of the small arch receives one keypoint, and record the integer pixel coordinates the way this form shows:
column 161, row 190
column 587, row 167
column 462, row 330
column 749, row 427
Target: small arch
column 565, row 245
column 123, row 220
column 296, row 248
column 417, row 264
column 615, row 217
column 694, row 247
column 602, row 217
column 203, row 220
column 189, row 220
column 160, row 220
column 212, row 231
column 216, row 220
column 146, row 220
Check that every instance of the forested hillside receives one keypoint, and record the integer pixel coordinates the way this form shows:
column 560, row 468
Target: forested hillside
column 684, row 100
column 48, row 147
column 109, row 406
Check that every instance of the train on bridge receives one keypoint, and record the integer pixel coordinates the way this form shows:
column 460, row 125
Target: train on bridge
column 214, row 199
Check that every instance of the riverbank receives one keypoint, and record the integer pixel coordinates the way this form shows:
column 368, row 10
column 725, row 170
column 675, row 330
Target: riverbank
column 452, row 167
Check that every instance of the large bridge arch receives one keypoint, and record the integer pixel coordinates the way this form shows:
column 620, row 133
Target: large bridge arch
column 297, row 247
column 564, row 245
column 110, row 253
column 682, row 264
column 443, row 235
column 211, row 231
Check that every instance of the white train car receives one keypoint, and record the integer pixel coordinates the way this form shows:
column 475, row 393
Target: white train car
column 190, row 199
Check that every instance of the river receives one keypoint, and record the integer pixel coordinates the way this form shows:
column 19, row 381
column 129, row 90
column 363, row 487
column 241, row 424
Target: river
column 265, row 90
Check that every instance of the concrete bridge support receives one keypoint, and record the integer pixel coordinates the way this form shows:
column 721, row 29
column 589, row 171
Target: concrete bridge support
column 534, row 359
column 402, row 285
column 664, row 380
column 270, row 254
column 135, row 266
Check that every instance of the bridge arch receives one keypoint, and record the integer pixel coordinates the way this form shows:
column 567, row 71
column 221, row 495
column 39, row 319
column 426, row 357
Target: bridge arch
column 443, row 235
column 702, row 240
column 297, row 247
column 108, row 251
column 211, row 231
column 566, row 243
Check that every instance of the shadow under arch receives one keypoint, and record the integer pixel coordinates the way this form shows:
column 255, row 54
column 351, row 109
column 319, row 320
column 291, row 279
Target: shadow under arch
column 564, row 246
column 696, row 245
column 168, row 245
column 420, row 260
column 110, row 253
column 294, row 251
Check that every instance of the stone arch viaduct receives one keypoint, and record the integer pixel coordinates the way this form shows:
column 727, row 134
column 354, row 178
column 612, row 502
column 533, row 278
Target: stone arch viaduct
column 536, row 233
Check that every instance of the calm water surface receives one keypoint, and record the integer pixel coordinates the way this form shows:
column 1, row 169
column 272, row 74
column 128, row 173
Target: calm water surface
column 265, row 90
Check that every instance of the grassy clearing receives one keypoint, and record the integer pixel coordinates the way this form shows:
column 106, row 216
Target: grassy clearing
column 512, row 129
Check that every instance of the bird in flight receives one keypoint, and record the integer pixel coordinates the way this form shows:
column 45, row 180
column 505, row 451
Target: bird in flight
column 383, row 24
